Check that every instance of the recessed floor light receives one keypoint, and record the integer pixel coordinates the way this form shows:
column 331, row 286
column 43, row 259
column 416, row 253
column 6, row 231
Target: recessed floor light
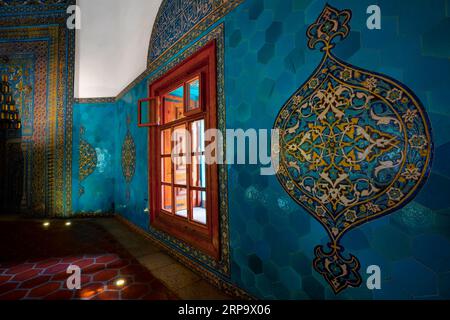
column 46, row 224
column 120, row 282
column 68, row 223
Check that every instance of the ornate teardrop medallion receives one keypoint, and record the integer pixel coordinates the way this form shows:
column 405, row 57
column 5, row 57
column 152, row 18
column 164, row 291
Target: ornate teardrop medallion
column 354, row 146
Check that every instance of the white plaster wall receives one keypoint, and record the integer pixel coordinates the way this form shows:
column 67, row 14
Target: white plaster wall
column 112, row 45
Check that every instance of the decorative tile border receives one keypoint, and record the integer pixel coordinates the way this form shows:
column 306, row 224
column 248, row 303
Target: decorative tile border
column 35, row 7
column 174, row 19
column 95, row 100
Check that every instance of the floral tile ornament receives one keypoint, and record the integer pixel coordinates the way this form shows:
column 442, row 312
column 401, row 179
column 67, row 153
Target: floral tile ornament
column 128, row 155
column 354, row 146
column 88, row 160
column 88, row 157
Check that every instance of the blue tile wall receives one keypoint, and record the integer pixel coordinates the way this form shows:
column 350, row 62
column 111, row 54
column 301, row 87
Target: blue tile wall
column 98, row 121
column 266, row 46
column 272, row 238
column 132, row 198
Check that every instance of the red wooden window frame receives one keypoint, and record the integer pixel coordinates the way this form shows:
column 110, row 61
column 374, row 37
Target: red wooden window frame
column 152, row 112
column 203, row 237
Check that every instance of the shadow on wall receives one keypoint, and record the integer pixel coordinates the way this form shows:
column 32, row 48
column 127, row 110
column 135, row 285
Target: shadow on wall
column 11, row 175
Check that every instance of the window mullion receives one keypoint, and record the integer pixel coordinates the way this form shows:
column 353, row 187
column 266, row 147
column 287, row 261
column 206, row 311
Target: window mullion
column 172, row 173
column 189, row 172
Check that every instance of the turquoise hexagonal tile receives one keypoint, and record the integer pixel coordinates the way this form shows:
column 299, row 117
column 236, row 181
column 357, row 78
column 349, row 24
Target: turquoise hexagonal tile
column 255, row 10
column 248, row 277
column 387, row 241
column 264, row 285
column 274, row 31
column 280, row 291
column 266, row 53
column 444, row 285
column 290, row 279
column 356, row 240
column 413, row 218
column 415, row 278
column 271, row 271
column 313, row 288
column 433, row 251
column 255, row 264
column 301, row 263
column 391, row 243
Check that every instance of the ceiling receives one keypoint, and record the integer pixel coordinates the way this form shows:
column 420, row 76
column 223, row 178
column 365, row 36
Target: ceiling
column 112, row 45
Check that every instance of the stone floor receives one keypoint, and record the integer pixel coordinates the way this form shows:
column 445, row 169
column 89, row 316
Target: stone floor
column 185, row 283
column 34, row 259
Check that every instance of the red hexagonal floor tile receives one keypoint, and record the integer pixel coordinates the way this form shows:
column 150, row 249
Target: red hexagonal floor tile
column 60, row 295
column 19, row 268
column 26, row 275
column 9, row 286
column 112, row 285
column 108, row 295
column 105, row 275
column 121, row 263
column 47, row 263
column 84, row 263
column 44, row 290
column 93, row 268
column 4, row 279
column 71, row 259
column 35, row 282
column 107, row 258
column 134, row 291
column 60, row 267
column 43, row 275
column 14, row 295
column 90, row 291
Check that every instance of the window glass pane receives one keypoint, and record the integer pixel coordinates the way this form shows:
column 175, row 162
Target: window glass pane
column 173, row 105
column 193, row 88
column 180, row 135
column 166, row 140
column 180, row 170
column 198, row 171
column 166, row 198
column 198, row 136
column 199, row 206
column 166, row 169
column 181, row 202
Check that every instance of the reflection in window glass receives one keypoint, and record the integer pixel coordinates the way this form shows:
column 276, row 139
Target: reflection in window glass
column 199, row 206
column 193, row 88
column 166, row 142
column 198, row 171
column 198, row 136
column 181, row 202
column 173, row 105
column 180, row 140
column 166, row 198
column 180, row 170
column 166, row 170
